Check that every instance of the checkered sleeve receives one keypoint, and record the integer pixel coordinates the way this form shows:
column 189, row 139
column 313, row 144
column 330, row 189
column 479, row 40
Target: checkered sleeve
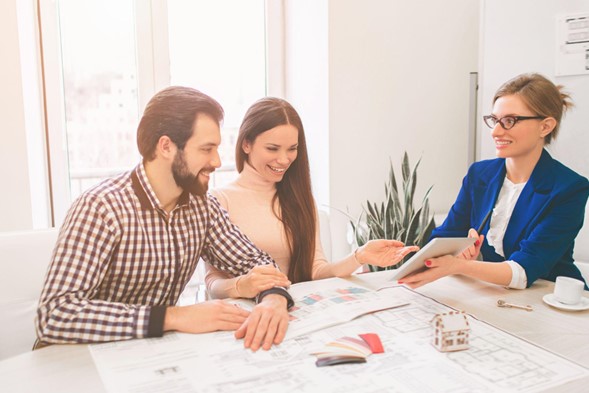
column 226, row 247
column 67, row 312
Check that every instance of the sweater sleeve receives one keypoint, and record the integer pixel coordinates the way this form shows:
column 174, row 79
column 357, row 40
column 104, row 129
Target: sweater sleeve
column 319, row 260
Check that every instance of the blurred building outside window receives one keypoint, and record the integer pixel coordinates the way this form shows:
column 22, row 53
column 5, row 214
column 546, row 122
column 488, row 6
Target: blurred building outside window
column 216, row 46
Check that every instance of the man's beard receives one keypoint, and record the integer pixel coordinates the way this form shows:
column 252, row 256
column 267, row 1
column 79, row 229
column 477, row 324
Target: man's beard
column 186, row 180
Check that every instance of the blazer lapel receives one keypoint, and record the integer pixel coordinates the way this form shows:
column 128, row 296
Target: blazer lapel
column 532, row 201
column 487, row 192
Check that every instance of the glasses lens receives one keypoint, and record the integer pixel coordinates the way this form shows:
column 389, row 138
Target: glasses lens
column 490, row 121
column 508, row 122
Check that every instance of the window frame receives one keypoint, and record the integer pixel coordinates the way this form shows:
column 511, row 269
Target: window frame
column 153, row 74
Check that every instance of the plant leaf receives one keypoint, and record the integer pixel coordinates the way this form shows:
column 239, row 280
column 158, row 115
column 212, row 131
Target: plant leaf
column 410, row 235
column 391, row 219
column 392, row 180
column 426, row 233
column 426, row 197
column 405, row 167
column 371, row 211
column 413, row 185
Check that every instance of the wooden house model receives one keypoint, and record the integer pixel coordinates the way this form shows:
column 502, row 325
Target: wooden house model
column 450, row 331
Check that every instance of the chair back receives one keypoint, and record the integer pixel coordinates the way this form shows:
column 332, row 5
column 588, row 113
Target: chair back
column 24, row 259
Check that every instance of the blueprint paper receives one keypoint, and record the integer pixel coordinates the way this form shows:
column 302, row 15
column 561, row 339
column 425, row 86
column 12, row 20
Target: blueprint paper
column 215, row 362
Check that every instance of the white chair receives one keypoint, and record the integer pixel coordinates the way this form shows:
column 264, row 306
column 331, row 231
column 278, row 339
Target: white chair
column 24, row 259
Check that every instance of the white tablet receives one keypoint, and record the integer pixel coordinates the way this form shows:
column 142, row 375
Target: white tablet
column 438, row 247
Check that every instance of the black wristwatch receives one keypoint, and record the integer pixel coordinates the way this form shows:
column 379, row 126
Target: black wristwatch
column 277, row 290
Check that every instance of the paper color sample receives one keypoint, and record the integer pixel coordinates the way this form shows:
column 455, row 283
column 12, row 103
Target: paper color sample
column 333, row 360
column 348, row 350
column 373, row 342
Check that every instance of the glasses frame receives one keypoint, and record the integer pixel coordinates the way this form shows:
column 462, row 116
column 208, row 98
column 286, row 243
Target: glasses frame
column 516, row 119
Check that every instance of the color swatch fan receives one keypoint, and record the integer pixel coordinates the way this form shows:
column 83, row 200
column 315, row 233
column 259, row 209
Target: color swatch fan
column 348, row 350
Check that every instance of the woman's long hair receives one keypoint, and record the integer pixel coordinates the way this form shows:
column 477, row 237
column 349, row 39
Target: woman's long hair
column 297, row 208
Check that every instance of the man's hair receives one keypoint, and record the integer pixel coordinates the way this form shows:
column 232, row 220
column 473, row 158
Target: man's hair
column 172, row 112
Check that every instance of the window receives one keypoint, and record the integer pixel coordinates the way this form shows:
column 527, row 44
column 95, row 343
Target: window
column 111, row 56
column 218, row 47
column 99, row 89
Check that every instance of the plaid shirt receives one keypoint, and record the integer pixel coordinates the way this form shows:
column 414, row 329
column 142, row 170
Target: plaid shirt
column 120, row 258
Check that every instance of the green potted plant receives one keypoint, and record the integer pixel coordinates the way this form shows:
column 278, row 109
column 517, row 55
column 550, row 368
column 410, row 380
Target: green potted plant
column 396, row 217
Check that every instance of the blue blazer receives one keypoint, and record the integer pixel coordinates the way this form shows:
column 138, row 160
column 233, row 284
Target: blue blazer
column 546, row 219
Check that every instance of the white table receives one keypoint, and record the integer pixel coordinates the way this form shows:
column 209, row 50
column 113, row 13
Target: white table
column 562, row 332
column 69, row 368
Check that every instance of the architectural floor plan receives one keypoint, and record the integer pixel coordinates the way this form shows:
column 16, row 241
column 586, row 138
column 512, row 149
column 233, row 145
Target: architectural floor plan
column 495, row 362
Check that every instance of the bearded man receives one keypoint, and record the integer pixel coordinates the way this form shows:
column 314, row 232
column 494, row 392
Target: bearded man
column 129, row 245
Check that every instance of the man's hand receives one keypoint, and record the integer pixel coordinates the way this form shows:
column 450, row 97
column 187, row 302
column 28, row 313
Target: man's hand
column 383, row 252
column 266, row 324
column 259, row 279
column 205, row 317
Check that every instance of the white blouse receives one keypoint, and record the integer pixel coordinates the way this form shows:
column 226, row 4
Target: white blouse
column 506, row 201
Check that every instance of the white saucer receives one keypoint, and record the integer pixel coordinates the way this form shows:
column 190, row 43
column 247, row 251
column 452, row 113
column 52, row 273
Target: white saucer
column 582, row 305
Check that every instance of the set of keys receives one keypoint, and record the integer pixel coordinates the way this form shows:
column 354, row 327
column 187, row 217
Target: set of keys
column 503, row 303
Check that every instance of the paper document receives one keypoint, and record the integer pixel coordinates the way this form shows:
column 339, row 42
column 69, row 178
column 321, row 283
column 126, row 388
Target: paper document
column 335, row 302
column 215, row 362
column 324, row 303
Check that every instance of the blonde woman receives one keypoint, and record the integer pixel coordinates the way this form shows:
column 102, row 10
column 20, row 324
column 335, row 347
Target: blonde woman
column 529, row 205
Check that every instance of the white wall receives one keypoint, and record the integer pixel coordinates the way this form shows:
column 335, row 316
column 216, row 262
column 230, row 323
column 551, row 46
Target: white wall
column 15, row 205
column 515, row 40
column 398, row 81
column 306, row 83
column 383, row 77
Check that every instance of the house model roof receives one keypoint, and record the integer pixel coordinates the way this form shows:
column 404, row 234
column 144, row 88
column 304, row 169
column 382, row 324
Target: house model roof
column 453, row 321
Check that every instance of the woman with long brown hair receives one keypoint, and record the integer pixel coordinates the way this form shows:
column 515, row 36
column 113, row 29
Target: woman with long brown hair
column 272, row 203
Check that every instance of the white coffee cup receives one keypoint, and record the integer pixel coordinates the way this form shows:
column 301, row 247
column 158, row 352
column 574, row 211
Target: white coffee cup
column 568, row 290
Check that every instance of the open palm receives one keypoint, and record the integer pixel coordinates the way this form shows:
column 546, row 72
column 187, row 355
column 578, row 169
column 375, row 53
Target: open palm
column 383, row 252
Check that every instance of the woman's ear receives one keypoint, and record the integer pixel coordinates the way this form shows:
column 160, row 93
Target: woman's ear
column 548, row 126
column 246, row 146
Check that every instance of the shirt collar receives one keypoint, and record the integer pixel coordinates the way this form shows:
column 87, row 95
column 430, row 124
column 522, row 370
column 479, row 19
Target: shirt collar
column 145, row 193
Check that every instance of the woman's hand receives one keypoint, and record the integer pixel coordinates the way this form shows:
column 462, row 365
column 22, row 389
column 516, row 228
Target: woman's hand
column 259, row 279
column 436, row 268
column 383, row 252
column 446, row 265
column 473, row 251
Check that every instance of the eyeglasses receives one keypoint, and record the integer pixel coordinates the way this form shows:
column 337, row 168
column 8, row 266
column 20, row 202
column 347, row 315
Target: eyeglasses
column 507, row 122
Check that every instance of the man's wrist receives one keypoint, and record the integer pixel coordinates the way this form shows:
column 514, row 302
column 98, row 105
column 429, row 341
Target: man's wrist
column 157, row 321
column 237, row 286
column 274, row 298
column 278, row 291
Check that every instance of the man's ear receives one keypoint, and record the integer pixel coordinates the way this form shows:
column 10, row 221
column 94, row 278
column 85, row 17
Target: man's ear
column 165, row 148
column 548, row 126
